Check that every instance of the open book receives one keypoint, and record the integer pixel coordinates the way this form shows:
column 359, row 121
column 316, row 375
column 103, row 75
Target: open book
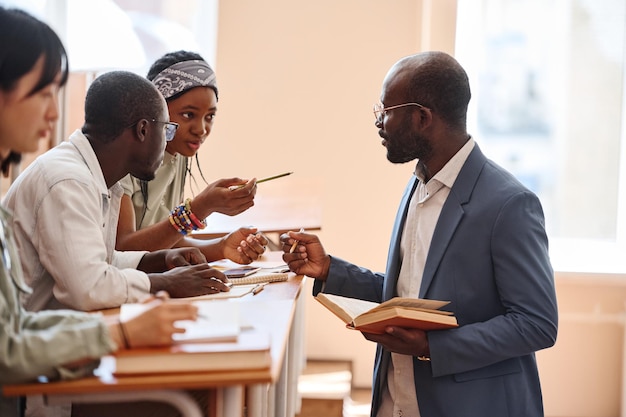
column 371, row 317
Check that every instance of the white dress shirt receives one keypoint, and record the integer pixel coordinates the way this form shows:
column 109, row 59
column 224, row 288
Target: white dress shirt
column 65, row 223
column 426, row 203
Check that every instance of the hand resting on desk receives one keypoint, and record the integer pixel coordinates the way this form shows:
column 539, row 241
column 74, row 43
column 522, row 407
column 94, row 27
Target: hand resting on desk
column 153, row 326
column 189, row 281
column 181, row 272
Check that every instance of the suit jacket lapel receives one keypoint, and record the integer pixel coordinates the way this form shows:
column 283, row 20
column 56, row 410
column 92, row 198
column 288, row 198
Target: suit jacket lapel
column 451, row 214
column 393, row 257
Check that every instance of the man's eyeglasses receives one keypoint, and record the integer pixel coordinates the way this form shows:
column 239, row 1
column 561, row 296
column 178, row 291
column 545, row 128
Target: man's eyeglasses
column 380, row 110
column 170, row 129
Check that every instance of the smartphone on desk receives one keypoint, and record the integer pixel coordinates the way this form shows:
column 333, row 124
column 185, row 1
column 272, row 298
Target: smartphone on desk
column 240, row 272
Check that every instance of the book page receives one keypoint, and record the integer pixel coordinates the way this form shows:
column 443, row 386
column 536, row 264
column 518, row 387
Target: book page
column 345, row 308
column 377, row 320
column 415, row 303
column 235, row 292
column 217, row 321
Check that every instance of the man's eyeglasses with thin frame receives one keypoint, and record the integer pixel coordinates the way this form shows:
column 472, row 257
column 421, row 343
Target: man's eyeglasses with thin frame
column 170, row 129
column 380, row 110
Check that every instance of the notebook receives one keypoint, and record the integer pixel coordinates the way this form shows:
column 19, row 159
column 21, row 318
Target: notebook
column 259, row 277
column 235, row 292
column 268, row 272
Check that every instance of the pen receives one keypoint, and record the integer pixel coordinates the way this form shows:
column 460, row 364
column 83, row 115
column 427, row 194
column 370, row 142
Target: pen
column 295, row 244
column 258, row 288
column 204, row 317
column 236, row 187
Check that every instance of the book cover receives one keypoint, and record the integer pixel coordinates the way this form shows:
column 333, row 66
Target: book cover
column 371, row 317
column 250, row 351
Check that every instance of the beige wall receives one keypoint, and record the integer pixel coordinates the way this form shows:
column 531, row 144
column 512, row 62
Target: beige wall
column 582, row 375
column 297, row 83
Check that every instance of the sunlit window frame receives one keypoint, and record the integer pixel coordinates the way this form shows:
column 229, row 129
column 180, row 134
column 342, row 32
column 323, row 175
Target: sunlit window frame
column 591, row 255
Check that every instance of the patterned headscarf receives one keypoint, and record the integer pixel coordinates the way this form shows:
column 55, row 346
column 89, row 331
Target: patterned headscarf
column 183, row 76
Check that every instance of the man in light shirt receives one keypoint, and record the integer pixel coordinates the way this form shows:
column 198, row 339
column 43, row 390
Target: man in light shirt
column 66, row 205
column 466, row 232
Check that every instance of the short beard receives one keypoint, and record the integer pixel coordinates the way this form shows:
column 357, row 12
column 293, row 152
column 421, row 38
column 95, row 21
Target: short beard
column 419, row 148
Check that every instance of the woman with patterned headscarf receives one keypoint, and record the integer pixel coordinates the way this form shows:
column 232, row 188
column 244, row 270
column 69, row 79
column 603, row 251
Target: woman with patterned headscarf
column 155, row 215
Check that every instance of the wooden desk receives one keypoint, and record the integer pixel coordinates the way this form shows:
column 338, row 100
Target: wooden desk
column 278, row 309
column 279, row 206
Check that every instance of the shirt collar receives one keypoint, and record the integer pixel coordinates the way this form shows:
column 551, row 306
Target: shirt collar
column 169, row 158
column 81, row 143
column 447, row 175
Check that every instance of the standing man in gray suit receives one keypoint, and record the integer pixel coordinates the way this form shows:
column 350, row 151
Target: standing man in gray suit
column 466, row 231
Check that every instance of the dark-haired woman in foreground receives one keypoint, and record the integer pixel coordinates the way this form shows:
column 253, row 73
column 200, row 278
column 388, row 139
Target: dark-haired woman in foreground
column 58, row 344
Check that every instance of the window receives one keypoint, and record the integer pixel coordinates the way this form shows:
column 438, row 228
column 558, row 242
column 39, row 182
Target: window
column 127, row 34
column 103, row 35
column 548, row 102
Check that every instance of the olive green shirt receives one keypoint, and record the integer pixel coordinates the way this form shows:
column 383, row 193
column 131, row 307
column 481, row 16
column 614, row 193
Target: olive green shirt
column 39, row 344
column 164, row 192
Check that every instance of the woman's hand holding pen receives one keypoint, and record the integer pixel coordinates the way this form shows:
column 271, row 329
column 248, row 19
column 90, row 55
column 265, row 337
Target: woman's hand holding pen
column 152, row 327
column 230, row 196
column 218, row 197
column 308, row 257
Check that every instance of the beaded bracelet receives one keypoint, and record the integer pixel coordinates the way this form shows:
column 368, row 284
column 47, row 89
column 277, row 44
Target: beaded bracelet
column 200, row 224
column 177, row 224
column 183, row 220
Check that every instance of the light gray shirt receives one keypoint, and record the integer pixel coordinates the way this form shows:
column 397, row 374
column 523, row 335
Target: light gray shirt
column 65, row 225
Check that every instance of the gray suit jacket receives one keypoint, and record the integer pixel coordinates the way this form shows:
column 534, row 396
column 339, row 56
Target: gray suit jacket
column 489, row 257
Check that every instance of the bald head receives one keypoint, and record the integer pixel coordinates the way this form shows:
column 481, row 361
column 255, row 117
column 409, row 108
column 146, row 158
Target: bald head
column 437, row 81
column 116, row 100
